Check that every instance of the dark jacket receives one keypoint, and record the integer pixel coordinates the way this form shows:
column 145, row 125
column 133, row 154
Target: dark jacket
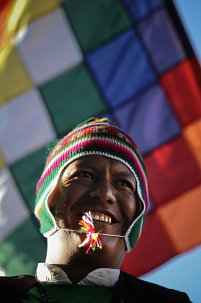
column 13, row 289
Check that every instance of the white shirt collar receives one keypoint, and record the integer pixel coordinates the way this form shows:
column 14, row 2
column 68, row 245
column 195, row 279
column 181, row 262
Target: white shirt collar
column 53, row 274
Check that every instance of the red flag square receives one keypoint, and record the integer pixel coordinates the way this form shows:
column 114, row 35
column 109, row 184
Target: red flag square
column 172, row 169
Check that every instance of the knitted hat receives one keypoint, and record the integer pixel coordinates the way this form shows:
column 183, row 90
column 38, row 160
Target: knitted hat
column 93, row 137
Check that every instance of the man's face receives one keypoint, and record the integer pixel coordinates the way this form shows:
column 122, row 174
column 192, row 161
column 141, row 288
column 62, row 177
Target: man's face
column 98, row 184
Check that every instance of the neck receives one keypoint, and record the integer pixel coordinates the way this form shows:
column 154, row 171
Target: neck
column 63, row 251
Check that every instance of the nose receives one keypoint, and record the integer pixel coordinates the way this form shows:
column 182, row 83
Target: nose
column 103, row 191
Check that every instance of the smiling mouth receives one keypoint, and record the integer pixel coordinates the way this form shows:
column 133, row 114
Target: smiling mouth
column 101, row 217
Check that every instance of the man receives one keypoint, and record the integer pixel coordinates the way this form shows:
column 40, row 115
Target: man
column 91, row 202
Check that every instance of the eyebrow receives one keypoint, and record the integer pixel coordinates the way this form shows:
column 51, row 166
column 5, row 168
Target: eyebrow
column 126, row 175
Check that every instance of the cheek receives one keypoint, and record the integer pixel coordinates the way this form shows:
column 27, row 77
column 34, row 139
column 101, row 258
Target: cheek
column 63, row 205
column 52, row 198
column 58, row 203
column 130, row 209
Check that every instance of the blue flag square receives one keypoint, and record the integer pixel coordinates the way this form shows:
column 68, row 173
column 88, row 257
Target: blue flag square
column 149, row 120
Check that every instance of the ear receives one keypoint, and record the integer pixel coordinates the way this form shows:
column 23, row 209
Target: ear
column 52, row 196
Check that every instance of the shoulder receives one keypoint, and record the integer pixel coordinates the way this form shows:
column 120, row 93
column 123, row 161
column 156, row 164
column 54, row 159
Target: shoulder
column 13, row 288
column 144, row 291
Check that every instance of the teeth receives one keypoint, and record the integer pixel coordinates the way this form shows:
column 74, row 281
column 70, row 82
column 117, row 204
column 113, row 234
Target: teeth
column 101, row 218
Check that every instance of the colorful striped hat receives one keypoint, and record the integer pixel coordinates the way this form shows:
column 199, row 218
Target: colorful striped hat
column 93, row 137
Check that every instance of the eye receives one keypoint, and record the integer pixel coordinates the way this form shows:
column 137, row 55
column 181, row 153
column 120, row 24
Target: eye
column 85, row 174
column 80, row 176
column 126, row 184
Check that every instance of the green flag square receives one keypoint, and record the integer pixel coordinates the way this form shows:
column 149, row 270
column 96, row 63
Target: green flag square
column 26, row 173
column 72, row 98
column 97, row 21
column 22, row 250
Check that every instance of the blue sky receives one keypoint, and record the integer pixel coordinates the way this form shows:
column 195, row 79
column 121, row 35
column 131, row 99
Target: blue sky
column 184, row 271
column 190, row 14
